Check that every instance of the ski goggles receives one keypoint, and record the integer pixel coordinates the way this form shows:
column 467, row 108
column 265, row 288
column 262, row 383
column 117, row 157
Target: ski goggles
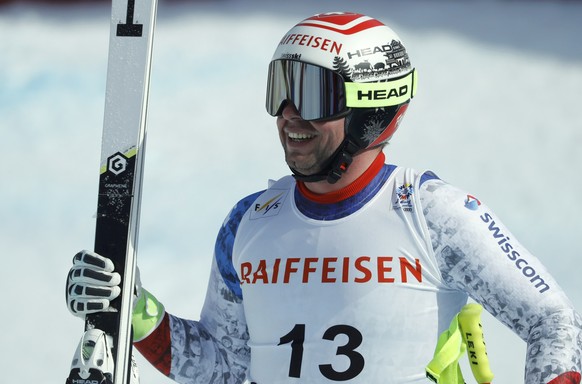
column 319, row 93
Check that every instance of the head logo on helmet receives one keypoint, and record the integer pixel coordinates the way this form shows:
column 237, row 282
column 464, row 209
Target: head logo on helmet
column 376, row 79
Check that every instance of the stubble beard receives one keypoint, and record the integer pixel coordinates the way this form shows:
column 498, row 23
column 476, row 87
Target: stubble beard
column 307, row 164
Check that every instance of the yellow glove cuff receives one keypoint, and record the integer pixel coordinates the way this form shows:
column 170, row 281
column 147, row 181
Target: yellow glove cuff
column 147, row 315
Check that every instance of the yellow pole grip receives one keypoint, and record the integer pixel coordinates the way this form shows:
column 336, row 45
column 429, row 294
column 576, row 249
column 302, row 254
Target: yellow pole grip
column 472, row 331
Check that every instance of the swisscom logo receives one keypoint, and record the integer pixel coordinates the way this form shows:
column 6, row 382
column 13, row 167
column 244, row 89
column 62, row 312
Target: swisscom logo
column 472, row 203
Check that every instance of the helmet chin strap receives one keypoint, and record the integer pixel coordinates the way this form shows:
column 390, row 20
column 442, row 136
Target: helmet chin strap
column 334, row 167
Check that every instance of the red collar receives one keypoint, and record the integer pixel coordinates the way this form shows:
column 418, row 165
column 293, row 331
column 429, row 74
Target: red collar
column 347, row 191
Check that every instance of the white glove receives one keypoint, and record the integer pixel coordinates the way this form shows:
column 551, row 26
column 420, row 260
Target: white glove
column 91, row 284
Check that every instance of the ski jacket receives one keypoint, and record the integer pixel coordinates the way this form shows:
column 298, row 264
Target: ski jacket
column 357, row 287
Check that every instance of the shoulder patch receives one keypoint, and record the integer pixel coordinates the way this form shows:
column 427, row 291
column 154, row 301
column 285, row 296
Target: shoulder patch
column 268, row 204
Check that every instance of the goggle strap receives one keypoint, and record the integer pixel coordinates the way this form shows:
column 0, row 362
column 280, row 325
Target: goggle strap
column 383, row 94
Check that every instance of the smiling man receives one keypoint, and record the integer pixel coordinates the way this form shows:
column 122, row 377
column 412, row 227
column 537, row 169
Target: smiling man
column 350, row 268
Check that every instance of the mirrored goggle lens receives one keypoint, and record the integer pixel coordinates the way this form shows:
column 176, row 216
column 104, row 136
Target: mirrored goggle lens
column 316, row 92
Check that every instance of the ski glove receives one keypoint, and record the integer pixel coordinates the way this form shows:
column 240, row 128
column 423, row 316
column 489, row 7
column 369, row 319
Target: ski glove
column 91, row 284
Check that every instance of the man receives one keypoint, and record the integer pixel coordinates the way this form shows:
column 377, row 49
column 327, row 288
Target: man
column 351, row 268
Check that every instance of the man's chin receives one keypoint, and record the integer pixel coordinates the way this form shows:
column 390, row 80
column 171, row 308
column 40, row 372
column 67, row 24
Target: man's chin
column 303, row 171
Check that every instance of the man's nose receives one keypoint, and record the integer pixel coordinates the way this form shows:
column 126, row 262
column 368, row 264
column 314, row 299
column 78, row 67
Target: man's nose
column 290, row 111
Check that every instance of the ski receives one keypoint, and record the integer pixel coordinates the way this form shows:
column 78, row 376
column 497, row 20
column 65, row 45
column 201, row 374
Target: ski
column 104, row 354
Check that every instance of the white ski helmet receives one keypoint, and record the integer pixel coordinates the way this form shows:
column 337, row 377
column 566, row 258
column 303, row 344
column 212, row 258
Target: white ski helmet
column 348, row 65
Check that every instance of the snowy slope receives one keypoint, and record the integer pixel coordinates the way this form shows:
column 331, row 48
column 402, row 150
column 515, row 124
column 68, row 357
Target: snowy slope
column 498, row 113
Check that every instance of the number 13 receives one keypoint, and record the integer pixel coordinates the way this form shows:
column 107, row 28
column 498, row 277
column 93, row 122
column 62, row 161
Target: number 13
column 297, row 336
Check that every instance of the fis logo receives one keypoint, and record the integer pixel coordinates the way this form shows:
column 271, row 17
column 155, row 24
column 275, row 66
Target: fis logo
column 271, row 204
column 268, row 204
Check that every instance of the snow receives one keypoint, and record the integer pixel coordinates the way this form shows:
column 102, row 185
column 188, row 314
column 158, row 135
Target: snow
column 498, row 108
